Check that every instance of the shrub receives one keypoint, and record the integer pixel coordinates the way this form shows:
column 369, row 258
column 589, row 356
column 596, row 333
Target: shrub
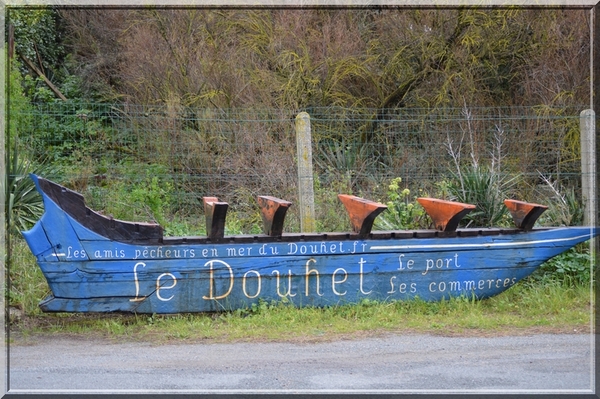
column 486, row 189
column 402, row 213
column 564, row 208
column 571, row 268
column 23, row 204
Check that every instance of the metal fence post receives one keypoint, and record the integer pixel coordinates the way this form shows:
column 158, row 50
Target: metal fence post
column 588, row 165
column 305, row 173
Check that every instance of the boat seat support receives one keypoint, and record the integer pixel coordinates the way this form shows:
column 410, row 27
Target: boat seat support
column 215, row 212
column 362, row 212
column 445, row 214
column 273, row 212
column 524, row 214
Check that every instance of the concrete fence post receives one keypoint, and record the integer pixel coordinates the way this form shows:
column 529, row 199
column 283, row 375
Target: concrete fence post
column 306, row 194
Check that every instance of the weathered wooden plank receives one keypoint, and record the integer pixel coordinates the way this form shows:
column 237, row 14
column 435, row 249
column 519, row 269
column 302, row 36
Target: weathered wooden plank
column 425, row 233
column 96, row 305
column 122, row 265
column 468, row 232
column 221, row 290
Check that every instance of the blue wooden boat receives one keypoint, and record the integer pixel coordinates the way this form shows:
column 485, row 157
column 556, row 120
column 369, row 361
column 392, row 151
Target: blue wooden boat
column 95, row 263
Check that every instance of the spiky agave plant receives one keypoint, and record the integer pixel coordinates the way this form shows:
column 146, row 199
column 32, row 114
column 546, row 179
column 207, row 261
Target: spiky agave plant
column 24, row 205
column 486, row 189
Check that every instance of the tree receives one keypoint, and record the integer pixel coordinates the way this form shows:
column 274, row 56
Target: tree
column 38, row 41
column 321, row 57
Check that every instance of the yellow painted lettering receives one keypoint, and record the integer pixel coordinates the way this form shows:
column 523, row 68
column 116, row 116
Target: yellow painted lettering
column 244, row 284
column 334, row 281
column 307, row 274
column 159, row 287
column 210, row 264
column 137, row 284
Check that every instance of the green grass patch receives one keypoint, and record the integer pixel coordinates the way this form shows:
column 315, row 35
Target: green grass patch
column 524, row 308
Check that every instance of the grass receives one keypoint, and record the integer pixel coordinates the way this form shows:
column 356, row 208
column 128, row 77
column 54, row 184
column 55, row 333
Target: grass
column 525, row 308
column 26, row 283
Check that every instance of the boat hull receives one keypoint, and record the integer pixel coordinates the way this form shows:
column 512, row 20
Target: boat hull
column 88, row 272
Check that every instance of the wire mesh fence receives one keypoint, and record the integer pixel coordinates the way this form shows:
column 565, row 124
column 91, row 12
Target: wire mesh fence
column 154, row 162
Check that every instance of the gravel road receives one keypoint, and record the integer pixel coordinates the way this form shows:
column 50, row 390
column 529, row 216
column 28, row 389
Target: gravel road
column 552, row 363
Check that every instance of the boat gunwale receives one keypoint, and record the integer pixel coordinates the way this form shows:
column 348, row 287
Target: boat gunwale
column 55, row 192
column 335, row 236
